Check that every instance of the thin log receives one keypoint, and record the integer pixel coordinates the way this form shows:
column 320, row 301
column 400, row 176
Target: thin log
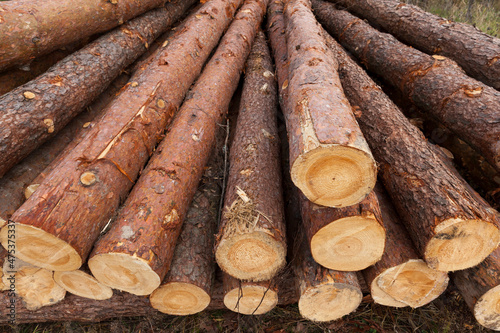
column 251, row 241
column 436, row 84
column 449, row 226
column 401, row 278
column 39, row 109
column 68, row 211
column 476, row 52
column 136, row 253
column 82, row 284
column 330, row 159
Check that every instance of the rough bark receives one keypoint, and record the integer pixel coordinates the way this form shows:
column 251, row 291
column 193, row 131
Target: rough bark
column 330, row 160
column 40, row 108
column 25, row 177
column 345, row 239
column 401, row 278
column 249, row 298
column 187, row 287
column 69, row 210
column 479, row 287
column 30, row 29
column 449, row 226
column 437, row 85
column 251, row 241
column 144, row 234
column 476, row 52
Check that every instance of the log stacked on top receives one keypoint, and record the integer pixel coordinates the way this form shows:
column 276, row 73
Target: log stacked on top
column 155, row 246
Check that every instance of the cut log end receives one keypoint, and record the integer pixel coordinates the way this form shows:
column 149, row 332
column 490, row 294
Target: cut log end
column 42, row 249
column 179, row 299
column 254, row 256
column 349, row 244
column 82, row 284
column 329, row 301
column 381, row 297
column 335, row 176
column 460, row 244
column 413, row 283
column 487, row 309
column 124, row 272
column 251, row 299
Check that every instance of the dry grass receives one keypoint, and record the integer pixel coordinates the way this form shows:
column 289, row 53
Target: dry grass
column 483, row 14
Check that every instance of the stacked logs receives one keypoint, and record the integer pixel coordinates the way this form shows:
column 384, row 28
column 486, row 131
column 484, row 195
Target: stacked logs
column 129, row 190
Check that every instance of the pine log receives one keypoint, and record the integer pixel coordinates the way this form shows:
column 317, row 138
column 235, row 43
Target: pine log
column 187, row 287
column 30, row 29
column 436, row 84
column 330, row 159
column 37, row 110
column 251, row 241
column 249, row 298
column 136, row 253
column 480, row 288
column 25, row 177
column 449, row 226
column 401, row 278
column 476, row 52
column 82, row 284
column 59, row 223
column 346, row 239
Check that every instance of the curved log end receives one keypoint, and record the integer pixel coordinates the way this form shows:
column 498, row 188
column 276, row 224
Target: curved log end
column 334, row 175
column 487, row 309
column 251, row 299
column 124, row 272
column 82, row 284
column 40, row 248
column 179, row 299
column 349, row 244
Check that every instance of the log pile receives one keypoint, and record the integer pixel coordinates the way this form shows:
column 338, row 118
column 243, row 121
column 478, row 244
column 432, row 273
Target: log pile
column 135, row 206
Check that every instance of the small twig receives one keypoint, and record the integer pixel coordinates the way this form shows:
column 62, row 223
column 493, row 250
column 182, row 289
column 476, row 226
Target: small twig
column 224, row 177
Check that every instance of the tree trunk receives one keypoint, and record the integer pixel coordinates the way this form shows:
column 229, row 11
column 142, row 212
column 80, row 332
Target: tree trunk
column 330, row 160
column 480, row 288
column 251, row 242
column 82, row 284
column 187, row 287
column 30, row 29
column 345, row 239
column 142, row 239
column 38, row 109
column 249, row 298
column 449, row 226
column 477, row 53
column 401, row 278
column 68, row 211
column 437, row 85
column 25, row 177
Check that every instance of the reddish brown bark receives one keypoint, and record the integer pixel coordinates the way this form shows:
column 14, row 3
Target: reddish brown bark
column 437, row 85
column 252, row 225
column 443, row 216
column 40, row 108
column 156, row 207
column 30, row 28
column 136, row 120
column 322, row 129
column 33, row 169
column 477, row 53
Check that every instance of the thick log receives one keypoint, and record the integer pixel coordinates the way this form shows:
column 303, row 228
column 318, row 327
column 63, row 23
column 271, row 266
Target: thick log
column 251, row 241
column 450, row 227
column 437, row 85
column 401, row 278
column 345, row 239
column 480, row 288
column 476, row 52
column 330, row 159
column 187, row 287
column 68, row 211
column 82, row 284
column 249, row 298
column 37, row 110
column 30, row 29
column 136, row 253
column 25, row 177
